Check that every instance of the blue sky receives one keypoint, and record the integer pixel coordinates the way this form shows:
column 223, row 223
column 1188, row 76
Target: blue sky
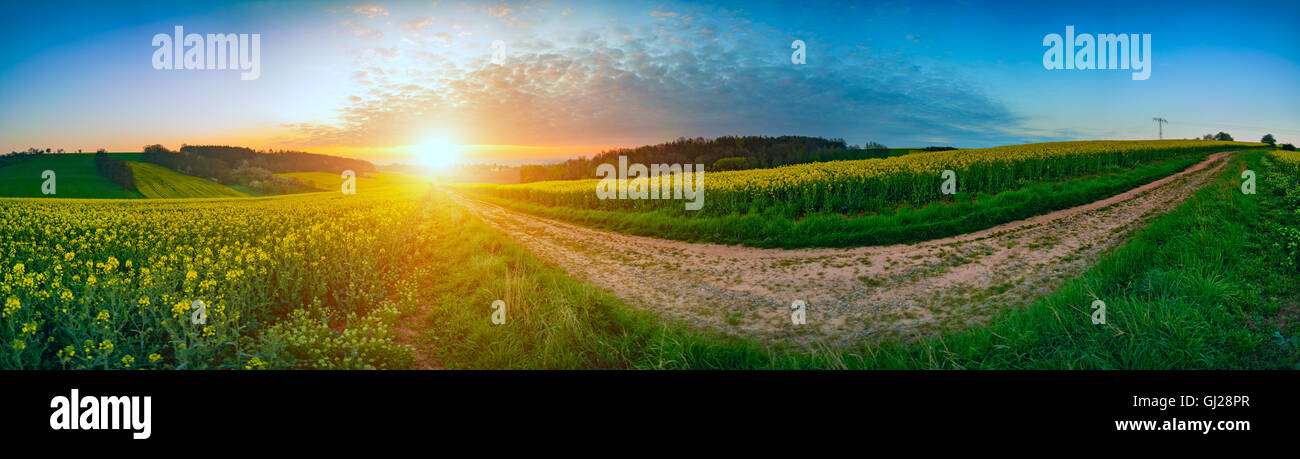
column 379, row 79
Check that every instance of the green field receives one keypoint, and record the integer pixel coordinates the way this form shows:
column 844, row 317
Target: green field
column 75, row 176
column 157, row 182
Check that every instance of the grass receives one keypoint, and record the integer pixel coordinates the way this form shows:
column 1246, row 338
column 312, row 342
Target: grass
column 968, row 212
column 552, row 320
column 75, row 177
column 158, row 182
column 1209, row 285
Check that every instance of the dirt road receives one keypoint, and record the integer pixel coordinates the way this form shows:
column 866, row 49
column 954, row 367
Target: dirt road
column 856, row 294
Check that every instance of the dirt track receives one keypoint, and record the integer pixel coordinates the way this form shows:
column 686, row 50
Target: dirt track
column 852, row 295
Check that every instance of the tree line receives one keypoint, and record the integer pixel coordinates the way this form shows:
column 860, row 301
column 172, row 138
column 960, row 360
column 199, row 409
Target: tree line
column 115, row 170
column 189, row 163
column 244, row 166
column 722, row 153
column 1268, row 139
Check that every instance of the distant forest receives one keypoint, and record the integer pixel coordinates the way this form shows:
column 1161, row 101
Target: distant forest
column 244, row 166
column 720, row 154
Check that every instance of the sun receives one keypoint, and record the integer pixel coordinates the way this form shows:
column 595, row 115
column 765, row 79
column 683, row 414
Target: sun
column 438, row 154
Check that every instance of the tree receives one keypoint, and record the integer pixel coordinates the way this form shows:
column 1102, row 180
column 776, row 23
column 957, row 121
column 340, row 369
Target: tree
column 115, row 170
column 1268, row 139
column 1223, row 136
column 101, row 150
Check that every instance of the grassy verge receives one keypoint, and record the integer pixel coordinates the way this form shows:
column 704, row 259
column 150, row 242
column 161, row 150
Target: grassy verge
column 552, row 320
column 967, row 213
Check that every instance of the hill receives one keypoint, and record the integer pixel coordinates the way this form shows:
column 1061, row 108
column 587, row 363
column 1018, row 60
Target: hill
column 75, row 177
column 159, row 182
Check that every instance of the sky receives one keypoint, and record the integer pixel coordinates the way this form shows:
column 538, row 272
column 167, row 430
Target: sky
column 415, row 81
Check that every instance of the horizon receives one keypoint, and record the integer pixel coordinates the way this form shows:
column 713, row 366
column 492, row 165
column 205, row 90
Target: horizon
column 401, row 82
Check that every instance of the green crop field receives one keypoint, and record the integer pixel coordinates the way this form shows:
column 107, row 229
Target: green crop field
column 158, row 182
column 75, row 177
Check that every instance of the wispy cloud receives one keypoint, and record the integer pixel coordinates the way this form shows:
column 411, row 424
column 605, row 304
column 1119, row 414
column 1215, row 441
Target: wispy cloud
column 370, row 10
column 627, row 85
column 361, row 31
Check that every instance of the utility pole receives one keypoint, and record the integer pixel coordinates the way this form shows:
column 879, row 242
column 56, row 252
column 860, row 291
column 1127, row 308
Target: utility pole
column 1160, row 124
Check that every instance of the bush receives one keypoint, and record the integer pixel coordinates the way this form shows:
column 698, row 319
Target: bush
column 734, row 163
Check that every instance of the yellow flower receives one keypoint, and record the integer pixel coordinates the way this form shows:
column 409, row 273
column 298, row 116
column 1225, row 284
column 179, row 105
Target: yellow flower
column 255, row 364
column 154, row 358
column 179, row 309
column 11, row 305
column 127, row 361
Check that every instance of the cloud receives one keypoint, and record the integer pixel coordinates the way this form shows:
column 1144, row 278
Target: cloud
column 420, row 23
column 498, row 12
column 360, row 31
column 370, row 10
column 631, row 85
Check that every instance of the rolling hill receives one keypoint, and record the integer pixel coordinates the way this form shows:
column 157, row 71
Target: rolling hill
column 157, row 182
column 75, row 177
